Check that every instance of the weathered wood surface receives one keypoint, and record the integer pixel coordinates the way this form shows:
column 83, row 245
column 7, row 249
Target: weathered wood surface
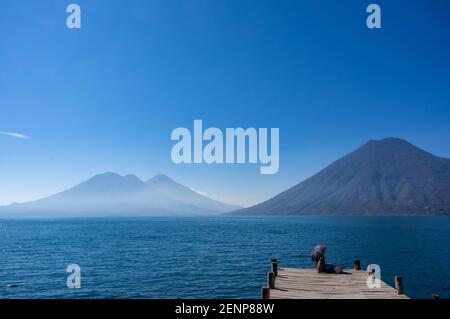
column 292, row 283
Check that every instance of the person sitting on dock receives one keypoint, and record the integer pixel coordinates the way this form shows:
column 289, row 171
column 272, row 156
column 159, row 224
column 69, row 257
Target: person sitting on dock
column 318, row 252
column 318, row 258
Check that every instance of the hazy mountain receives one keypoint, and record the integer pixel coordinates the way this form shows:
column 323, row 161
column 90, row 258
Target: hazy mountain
column 387, row 177
column 110, row 194
column 176, row 191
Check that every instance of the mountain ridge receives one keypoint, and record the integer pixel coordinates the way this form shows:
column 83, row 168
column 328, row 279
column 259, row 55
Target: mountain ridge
column 386, row 177
column 110, row 194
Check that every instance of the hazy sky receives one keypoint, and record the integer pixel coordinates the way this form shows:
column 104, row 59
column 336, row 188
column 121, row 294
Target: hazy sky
column 74, row 103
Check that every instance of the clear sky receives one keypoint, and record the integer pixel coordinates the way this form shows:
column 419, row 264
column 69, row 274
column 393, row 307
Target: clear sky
column 106, row 97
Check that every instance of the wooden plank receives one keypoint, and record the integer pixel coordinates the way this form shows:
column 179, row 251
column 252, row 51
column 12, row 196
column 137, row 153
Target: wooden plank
column 294, row 283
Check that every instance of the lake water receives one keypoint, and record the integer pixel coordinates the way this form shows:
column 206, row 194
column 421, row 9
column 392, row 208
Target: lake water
column 218, row 257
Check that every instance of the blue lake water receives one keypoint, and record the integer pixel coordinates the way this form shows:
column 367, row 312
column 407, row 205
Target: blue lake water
column 218, row 257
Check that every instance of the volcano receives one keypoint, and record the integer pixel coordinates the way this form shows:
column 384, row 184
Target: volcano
column 385, row 177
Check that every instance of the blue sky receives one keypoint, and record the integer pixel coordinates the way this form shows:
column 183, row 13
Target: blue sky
column 106, row 97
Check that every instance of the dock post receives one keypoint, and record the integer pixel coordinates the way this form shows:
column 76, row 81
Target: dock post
column 265, row 292
column 271, row 279
column 275, row 268
column 274, row 260
column 399, row 285
column 357, row 264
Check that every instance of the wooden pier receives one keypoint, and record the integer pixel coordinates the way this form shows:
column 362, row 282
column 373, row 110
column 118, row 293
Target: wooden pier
column 293, row 283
